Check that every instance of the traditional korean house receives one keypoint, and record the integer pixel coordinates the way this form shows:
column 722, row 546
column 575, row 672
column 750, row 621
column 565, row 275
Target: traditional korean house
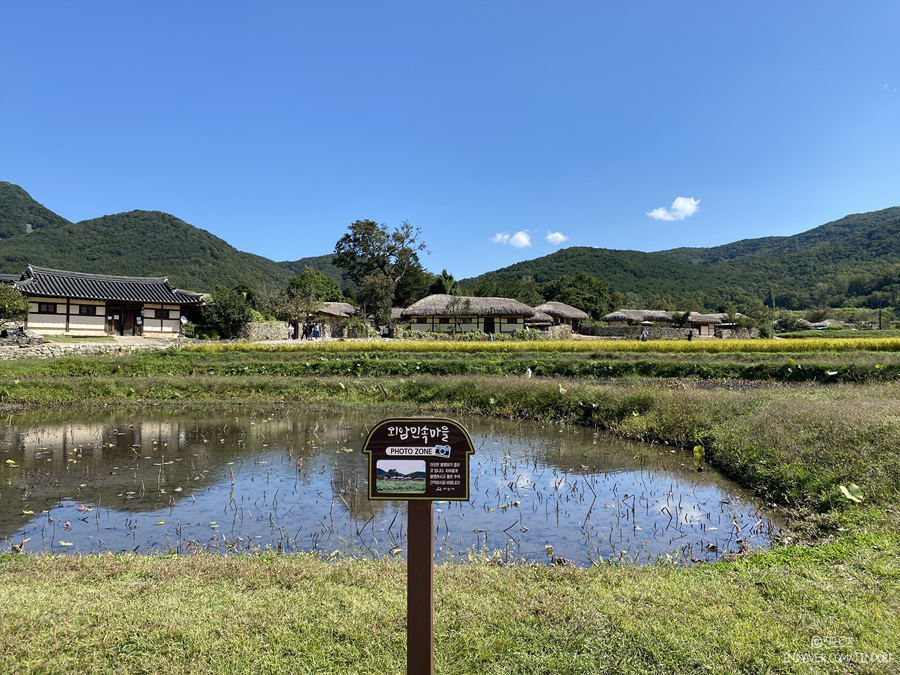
column 452, row 313
column 80, row 304
column 705, row 324
column 563, row 314
column 539, row 321
column 637, row 317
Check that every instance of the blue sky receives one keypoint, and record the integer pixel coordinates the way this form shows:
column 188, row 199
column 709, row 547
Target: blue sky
column 504, row 130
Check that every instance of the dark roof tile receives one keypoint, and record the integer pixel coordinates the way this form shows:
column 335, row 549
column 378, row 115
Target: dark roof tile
column 47, row 283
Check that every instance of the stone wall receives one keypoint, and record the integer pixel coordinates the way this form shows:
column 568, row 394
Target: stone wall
column 264, row 330
column 560, row 332
column 634, row 332
column 50, row 350
column 737, row 333
column 661, row 333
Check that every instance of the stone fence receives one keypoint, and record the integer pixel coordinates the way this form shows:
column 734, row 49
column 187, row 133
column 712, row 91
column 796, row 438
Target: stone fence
column 264, row 330
column 50, row 350
column 664, row 333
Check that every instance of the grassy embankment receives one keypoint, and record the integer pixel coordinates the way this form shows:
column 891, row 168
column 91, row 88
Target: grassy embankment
column 834, row 599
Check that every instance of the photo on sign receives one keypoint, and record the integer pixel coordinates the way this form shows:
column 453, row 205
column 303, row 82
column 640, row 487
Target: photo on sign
column 400, row 476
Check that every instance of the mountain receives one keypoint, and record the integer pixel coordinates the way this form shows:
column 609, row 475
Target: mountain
column 138, row 243
column 20, row 214
column 841, row 239
column 320, row 263
column 631, row 271
column 854, row 260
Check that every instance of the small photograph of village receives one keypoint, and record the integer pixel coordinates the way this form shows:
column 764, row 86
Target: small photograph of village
column 400, row 476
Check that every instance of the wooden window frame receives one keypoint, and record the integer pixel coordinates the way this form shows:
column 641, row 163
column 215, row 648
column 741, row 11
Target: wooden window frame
column 43, row 307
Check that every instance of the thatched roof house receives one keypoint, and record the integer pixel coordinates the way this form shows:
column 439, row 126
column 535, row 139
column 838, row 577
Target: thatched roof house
column 635, row 317
column 539, row 320
column 561, row 313
column 341, row 310
column 453, row 313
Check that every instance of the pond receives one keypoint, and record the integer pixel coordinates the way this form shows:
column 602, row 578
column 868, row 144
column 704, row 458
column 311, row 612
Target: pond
column 293, row 479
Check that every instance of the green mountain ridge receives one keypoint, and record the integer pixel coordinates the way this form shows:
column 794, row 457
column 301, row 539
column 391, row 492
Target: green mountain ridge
column 137, row 243
column 855, row 259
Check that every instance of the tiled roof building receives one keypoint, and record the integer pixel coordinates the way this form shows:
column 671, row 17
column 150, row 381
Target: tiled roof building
column 77, row 303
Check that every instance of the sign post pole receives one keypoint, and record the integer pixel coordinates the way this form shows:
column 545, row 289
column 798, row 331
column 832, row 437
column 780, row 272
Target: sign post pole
column 420, row 589
column 421, row 460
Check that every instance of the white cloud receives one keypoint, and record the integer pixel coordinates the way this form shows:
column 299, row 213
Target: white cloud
column 556, row 237
column 520, row 239
column 681, row 208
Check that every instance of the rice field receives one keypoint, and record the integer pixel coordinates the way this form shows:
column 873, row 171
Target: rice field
column 783, row 346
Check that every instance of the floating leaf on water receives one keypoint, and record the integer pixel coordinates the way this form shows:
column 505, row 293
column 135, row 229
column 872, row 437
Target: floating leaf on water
column 161, row 522
column 852, row 492
column 548, row 549
column 27, row 513
column 65, row 543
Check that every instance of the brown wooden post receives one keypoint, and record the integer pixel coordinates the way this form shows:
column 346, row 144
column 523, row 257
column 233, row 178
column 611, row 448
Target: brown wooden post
column 420, row 589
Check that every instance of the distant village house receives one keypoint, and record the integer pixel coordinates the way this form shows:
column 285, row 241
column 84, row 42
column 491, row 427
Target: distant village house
column 80, row 304
column 452, row 313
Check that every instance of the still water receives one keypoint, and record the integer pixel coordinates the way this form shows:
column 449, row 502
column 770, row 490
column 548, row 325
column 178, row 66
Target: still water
column 293, row 479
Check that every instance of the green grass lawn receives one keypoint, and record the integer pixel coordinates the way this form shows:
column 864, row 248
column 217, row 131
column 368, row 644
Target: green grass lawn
column 825, row 600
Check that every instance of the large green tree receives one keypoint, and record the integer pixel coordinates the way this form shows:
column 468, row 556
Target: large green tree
column 583, row 291
column 414, row 285
column 524, row 290
column 226, row 311
column 13, row 305
column 314, row 285
column 445, row 284
column 376, row 295
column 371, row 249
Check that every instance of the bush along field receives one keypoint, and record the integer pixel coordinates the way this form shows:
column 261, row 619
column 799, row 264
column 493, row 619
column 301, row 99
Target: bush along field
column 823, row 450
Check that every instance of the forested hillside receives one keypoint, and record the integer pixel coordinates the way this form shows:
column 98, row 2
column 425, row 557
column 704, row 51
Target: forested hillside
column 138, row 243
column 320, row 263
column 854, row 261
column 20, row 214
column 626, row 271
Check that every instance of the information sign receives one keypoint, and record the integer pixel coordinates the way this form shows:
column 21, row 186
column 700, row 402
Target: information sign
column 419, row 458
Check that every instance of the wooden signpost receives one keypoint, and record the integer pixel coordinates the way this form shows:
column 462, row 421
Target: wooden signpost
column 420, row 460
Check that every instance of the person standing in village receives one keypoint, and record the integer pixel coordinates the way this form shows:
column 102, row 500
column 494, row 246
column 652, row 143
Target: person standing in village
column 644, row 335
column 290, row 331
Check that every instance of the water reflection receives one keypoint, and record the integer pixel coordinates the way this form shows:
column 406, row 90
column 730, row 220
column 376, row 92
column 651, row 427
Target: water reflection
column 292, row 479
